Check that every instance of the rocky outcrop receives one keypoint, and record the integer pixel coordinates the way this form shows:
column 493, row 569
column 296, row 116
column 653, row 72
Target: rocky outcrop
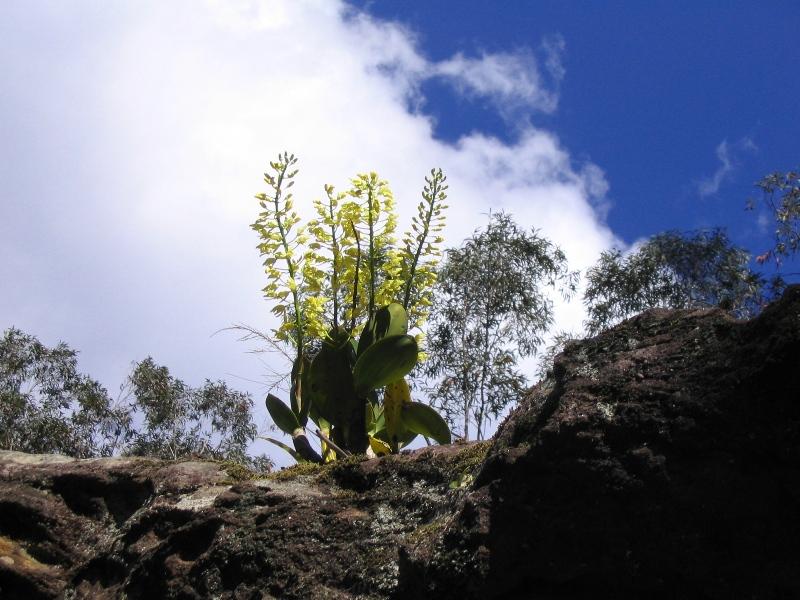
column 660, row 459
column 138, row 528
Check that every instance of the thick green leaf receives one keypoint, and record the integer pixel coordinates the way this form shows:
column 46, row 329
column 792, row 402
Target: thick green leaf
column 330, row 382
column 300, row 403
column 295, row 402
column 424, row 420
column 337, row 338
column 282, row 415
column 387, row 321
column 404, row 437
column 294, row 453
column 385, row 361
column 379, row 447
column 325, row 429
column 313, row 412
column 395, row 396
column 375, row 417
column 304, row 448
column 334, row 398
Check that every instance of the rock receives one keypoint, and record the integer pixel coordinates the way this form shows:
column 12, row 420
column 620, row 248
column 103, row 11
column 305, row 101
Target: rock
column 138, row 528
column 659, row 460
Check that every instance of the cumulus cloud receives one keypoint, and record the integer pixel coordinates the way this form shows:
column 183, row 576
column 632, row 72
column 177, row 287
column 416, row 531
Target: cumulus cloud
column 134, row 138
column 727, row 154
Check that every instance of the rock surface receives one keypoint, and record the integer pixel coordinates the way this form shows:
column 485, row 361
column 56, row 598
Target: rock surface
column 660, row 459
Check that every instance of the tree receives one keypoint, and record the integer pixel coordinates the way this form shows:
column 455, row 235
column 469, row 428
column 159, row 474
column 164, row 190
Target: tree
column 178, row 420
column 556, row 346
column 46, row 406
column 674, row 270
column 781, row 192
column 491, row 307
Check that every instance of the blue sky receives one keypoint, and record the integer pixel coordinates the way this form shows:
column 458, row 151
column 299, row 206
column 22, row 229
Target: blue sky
column 133, row 137
column 651, row 91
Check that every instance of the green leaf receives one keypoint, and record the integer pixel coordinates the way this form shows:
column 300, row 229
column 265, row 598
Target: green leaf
column 331, row 384
column 376, row 420
column 334, row 397
column 282, row 415
column 383, row 362
column 300, row 405
column 387, row 321
column 379, row 447
column 395, row 396
column 404, row 437
column 424, row 420
column 294, row 453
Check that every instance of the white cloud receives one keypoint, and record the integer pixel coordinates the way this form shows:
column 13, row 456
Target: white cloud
column 511, row 81
column 727, row 154
column 134, row 138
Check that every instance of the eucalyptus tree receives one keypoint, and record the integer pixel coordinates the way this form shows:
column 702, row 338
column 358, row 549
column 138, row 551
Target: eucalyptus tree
column 674, row 269
column 558, row 342
column 493, row 304
column 177, row 420
column 48, row 406
column 781, row 194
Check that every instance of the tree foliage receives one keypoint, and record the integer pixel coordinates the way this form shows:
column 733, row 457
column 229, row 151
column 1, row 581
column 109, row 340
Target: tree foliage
column 47, row 406
column 177, row 420
column 781, row 193
column 558, row 342
column 674, row 270
column 491, row 308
